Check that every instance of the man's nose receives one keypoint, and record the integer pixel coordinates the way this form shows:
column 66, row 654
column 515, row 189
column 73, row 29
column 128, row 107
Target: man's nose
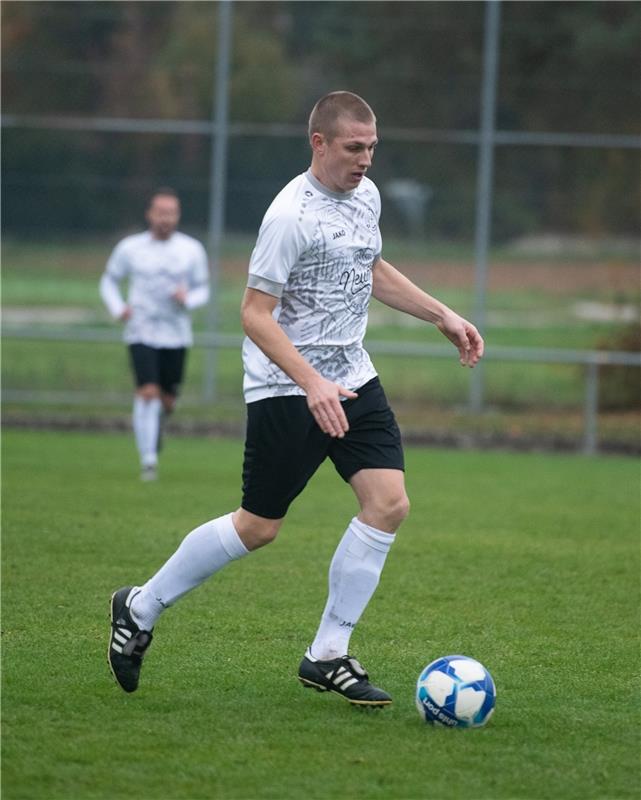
column 366, row 158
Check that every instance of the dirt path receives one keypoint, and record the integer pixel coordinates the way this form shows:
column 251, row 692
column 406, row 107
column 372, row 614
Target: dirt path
column 556, row 278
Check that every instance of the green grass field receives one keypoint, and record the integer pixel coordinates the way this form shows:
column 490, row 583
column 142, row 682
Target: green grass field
column 529, row 563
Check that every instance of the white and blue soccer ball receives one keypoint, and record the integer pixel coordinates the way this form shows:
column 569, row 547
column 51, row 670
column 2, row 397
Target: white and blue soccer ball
column 455, row 691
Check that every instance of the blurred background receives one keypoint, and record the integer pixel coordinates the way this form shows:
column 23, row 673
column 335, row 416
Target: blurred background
column 508, row 164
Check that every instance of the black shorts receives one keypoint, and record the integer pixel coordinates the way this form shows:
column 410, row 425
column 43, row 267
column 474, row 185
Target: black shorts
column 163, row 366
column 284, row 446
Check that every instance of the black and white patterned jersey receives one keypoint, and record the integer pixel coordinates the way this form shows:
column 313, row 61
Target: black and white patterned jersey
column 316, row 250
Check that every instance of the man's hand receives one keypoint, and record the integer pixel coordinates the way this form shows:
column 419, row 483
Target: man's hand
column 125, row 314
column 324, row 403
column 180, row 295
column 465, row 336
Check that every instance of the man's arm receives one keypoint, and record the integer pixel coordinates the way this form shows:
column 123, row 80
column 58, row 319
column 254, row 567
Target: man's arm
column 395, row 290
column 192, row 298
column 322, row 395
column 195, row 292
column 111, row 297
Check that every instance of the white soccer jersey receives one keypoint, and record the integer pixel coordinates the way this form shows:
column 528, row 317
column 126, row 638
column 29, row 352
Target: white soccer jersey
column 155, row 268
column 315, row 251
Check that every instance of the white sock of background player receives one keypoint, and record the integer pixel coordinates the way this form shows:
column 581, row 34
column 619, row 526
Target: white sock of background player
column 146, row 421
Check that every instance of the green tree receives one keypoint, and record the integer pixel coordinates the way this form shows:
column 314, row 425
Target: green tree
column 564, row 66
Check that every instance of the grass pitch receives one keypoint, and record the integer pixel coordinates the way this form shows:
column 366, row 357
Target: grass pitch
column 528, row 563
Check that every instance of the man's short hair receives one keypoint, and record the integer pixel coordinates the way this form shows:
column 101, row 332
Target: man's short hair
column 162, row 191
column 330, row 108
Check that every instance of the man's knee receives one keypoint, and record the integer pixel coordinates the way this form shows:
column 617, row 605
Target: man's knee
column 148, row 391
column 255, row 531
column 386, row 512
column 382, row 498
column 398, row 507
column 168, row 402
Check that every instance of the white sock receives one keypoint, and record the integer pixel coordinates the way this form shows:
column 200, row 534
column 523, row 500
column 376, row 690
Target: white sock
column 353, row 576
column 202, row 552
column 146, row 422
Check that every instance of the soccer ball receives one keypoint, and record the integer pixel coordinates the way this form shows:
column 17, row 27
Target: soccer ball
column 455, row 691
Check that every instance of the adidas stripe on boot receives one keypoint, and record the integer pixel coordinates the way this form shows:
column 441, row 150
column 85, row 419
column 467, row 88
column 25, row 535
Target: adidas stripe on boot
column 343, row 676
column 127, row 643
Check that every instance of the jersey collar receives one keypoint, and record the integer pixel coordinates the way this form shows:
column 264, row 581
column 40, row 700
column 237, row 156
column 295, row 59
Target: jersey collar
column 320, row 187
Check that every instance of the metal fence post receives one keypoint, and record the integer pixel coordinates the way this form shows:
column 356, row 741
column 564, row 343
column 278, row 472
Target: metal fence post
column 217, row 178
column 484, row 181
column 591, row 408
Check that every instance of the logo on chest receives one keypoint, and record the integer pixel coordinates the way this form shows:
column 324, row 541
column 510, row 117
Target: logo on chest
column 356, row 281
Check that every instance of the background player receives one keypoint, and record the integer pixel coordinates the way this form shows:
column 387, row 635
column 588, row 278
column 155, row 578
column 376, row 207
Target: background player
column 168, row 277
column 312, row 392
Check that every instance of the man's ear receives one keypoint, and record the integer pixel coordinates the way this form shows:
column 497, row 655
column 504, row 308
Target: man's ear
column 318, row 143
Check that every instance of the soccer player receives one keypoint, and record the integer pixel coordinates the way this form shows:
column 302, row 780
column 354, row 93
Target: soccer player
column 312, row 393
column 168, row 276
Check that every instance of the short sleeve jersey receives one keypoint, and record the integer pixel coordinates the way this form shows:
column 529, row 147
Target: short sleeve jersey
column 316, row 250
column 155, row 269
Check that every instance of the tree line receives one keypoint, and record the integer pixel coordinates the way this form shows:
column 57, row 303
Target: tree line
column 563, row 67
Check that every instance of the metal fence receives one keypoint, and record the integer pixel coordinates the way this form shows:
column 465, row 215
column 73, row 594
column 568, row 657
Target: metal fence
column 220, row 131
column 592, row 360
